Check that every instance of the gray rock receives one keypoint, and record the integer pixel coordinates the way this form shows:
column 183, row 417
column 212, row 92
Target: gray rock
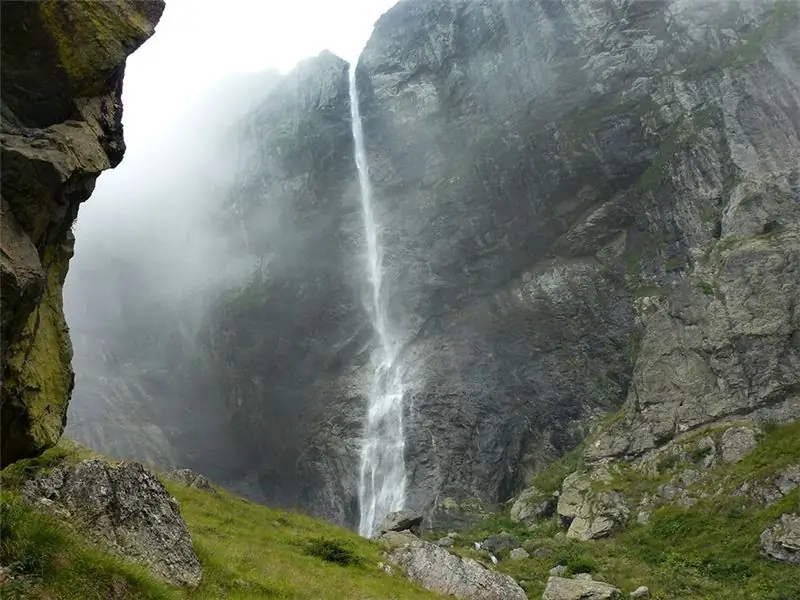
column 558, row 570
column 736, row 443
column 440, row 571
column 532, row 505
column 402, row 520
column 386, row 568
column 519, row 554
column 591, row 514
column 560, row 588
column 641, row 592
column 542, row 553
column 583, row 577
column 190, row 478
column 500, row 543
column 125, row 508
column 445, row 542
column 782, row 540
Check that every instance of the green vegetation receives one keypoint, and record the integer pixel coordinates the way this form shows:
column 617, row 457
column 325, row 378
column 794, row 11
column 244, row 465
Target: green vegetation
column 248, row 552
column 704, row 552
column 706, row 287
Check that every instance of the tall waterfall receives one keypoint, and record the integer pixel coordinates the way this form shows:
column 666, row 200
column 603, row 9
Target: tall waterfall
column 382, row 476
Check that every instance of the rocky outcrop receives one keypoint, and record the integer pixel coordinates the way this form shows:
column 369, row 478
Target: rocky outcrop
column 532, row 505
column 63, row 66
column 403, row 520
column 126, row 509
column 440, row 571
column 190, row 479
column 782, row 540
column 561, row 588
column 591, row 513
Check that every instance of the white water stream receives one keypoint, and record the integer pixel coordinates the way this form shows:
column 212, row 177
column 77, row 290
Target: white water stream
column 382, row 475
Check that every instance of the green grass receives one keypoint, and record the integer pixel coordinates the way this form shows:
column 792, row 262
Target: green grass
column 704, row 552
column 248, row 552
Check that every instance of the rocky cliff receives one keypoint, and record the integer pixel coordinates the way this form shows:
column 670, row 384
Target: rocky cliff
column 63, row 67
column 583, row 206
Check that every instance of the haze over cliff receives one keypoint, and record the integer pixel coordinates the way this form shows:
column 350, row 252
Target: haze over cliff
column 580, row 206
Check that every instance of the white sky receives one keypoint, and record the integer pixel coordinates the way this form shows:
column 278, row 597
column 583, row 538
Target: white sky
column 198, row 42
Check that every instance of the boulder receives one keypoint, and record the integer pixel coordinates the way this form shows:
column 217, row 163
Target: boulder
column 445, row 542
column 641, row 592
column 561, row 588
column 191, row 479
column 782, row 540
column 736, row 443
column 500, row 543
column 519, row 554
column 531, row 505
column 440, row 571
column 402, row 520
column 125, row 508
column 590, row 514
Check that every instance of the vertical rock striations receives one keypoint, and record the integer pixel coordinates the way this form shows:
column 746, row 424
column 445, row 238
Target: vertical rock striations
column 63, row 64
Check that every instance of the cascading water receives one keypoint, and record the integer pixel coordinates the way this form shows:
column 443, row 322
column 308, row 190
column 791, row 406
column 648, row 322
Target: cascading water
column 382, row 476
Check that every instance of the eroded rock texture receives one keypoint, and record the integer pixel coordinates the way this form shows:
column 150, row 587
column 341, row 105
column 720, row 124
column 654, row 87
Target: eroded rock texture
column 63, row 65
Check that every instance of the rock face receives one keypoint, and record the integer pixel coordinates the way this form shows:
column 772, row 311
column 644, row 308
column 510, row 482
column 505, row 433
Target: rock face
column 561, row 588
column 438, row 570
column 190, row 478
column 61, row 126
column 531, row 505
column 782, row 540
column 583, row 205
column 126, row 509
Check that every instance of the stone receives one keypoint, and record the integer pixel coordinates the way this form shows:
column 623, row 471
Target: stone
column 558, row 570
column 395, row 539
column 532, row 505
column 782, row 540
column 401, row 520
column 125, row 508
column 591, row 514
column 518, row 554
column 191, row 479
column 542, row 553
column 736, row 443
column 386, row 568
column 583, row 577
column 560, row 588
column 440, row 571
column 641, row 592
column 445, row 542
column 500, row 543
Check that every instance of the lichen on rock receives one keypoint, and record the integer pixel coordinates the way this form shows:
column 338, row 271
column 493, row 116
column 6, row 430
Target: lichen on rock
column 63, row 64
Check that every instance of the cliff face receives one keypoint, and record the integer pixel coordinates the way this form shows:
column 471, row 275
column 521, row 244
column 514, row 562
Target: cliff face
column 583, row 205
column 583, row 202
column 63, row 64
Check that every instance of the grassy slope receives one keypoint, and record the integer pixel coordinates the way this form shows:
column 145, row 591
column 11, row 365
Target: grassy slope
column 247, row 551
column 709, row 551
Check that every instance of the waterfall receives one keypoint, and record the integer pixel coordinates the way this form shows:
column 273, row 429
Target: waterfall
column 382, row 476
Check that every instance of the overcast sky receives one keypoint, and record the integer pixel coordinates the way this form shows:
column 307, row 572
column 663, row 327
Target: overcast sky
column 198, row 42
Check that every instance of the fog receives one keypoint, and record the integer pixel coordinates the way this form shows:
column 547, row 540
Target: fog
column 153, row 244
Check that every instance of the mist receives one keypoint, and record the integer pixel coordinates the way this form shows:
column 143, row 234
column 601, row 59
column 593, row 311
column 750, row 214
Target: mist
column 161, row 241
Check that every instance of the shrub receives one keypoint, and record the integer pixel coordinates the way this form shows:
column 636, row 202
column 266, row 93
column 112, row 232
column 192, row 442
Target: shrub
column 333, row 550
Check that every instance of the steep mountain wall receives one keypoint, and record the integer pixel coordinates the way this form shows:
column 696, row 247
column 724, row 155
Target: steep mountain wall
column 583, row 205
column 63, row 66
